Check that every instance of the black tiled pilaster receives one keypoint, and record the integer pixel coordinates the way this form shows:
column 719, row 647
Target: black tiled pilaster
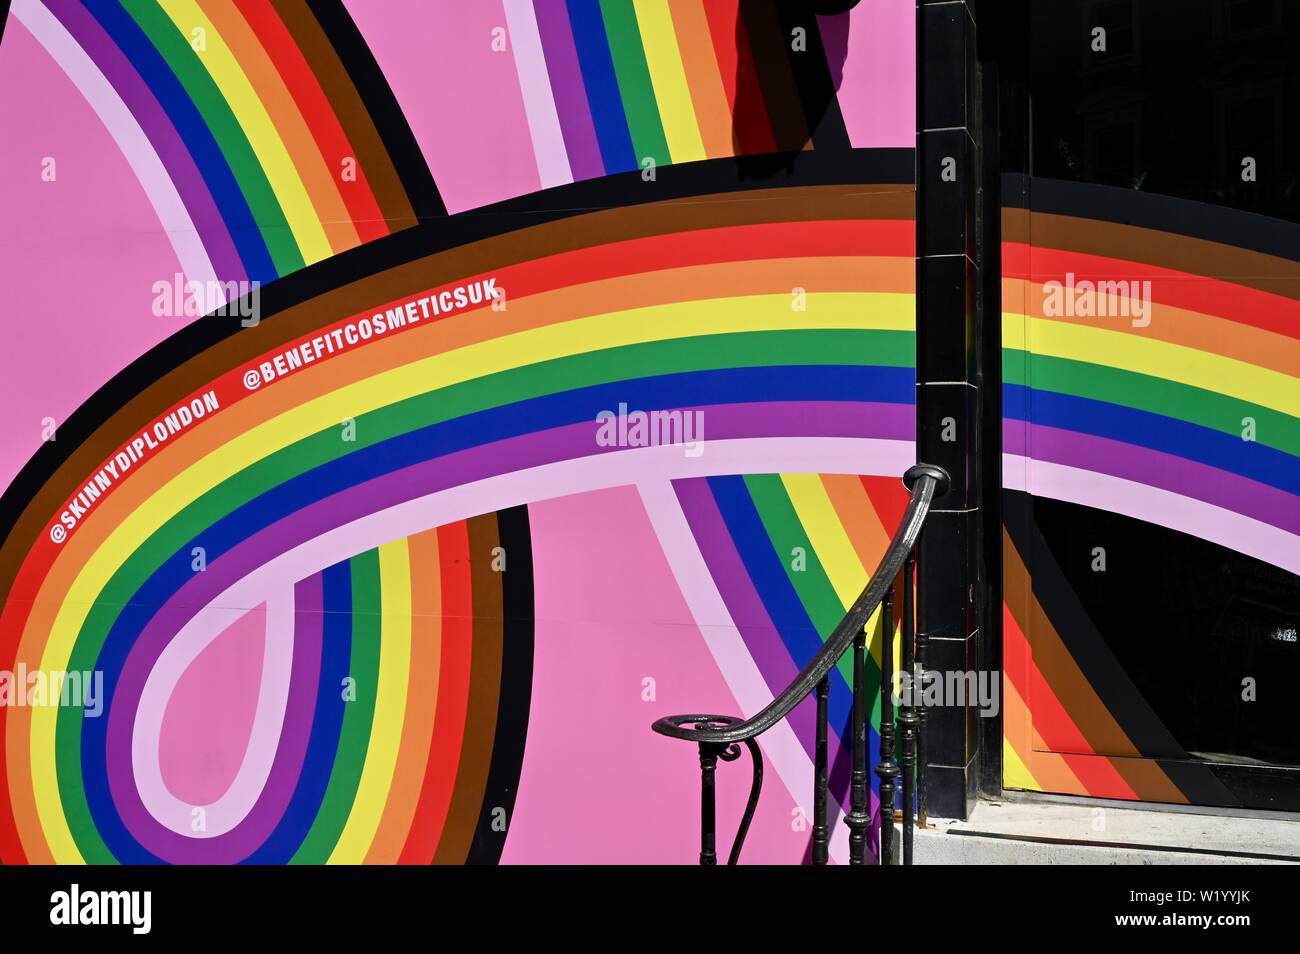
column 949, row 369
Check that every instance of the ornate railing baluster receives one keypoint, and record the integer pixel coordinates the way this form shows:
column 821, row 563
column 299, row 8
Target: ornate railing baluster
column 718, row 737
column 887, row 768
column 907, row 717
column 922, row 806
column 859, row 818
column 821, row 833
column 708, row 803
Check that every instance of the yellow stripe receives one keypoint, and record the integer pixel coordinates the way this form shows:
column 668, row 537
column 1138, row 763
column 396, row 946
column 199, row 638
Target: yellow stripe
column 668, row 76
column 835, row 551
column 832, row 545
column 256, row 123
column 390, row 706
column 884, row 311
column 1015, row 774
column 1150, row 356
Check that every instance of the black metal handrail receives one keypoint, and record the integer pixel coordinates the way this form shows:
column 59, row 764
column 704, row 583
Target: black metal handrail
column 718, row 737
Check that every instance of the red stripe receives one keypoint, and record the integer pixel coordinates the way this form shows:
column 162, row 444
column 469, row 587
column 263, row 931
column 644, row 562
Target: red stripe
column 889, row 498
column 1200, row 293
column 318, row 113
column 453, row 697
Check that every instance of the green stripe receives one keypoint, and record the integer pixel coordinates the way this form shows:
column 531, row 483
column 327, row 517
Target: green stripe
column 67, row 747
column 1182, row 402
column 358, row 715
column 188, row 66
column 634, row 83
column 705, row 352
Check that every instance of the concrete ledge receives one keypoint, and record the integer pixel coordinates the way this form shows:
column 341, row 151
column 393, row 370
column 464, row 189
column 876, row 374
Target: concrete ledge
column 1045, row 832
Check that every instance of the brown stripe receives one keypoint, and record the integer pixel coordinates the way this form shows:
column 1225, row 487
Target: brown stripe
column 484, row 695
column 779, row 205
column 1267, row 273
column 352, row 113
column 1015, row 225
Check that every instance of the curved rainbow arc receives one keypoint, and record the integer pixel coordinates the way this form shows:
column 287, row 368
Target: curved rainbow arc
column 697, row 320
column 1156, row 420
column 254, row 119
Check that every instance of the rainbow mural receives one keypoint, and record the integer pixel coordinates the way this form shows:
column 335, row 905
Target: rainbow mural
column 363, row 578
column 1183, row 417
column 285, row 455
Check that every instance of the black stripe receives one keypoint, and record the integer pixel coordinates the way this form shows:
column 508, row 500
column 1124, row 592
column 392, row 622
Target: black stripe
column 516, row 689
column 4, row 18
column 390, row 122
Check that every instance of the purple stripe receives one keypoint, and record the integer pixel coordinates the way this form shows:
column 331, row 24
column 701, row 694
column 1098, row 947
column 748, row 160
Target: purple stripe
column 568, row 90
column 1156, row 469
column 808, row 419
column 158, row 128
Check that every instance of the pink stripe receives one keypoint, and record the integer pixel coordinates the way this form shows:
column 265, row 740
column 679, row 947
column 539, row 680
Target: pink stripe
column 535, row 84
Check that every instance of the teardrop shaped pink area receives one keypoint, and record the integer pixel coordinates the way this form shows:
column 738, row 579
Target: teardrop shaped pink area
column 209, row 718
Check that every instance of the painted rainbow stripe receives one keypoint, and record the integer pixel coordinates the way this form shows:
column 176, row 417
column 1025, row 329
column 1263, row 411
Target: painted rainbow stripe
column 609, row 86
column 1189, row 422
column 250, row 113
column 659, row 80
column 789, row 554
column 466, row 415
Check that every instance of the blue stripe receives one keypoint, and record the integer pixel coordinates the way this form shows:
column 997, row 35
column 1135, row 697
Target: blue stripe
column 598, row 77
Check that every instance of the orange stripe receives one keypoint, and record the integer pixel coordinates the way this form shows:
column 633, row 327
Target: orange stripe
column 421, row 701
column 326, row 198
column 709, row 96
column 858, row 518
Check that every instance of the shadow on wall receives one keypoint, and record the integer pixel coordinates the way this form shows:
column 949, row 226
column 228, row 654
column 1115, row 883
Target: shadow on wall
column 790, row 58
